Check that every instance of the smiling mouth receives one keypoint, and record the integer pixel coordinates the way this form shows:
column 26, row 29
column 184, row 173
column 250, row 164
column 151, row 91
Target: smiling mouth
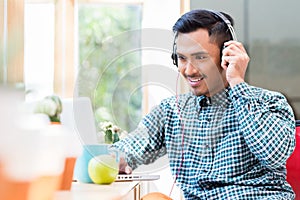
column 195, row 81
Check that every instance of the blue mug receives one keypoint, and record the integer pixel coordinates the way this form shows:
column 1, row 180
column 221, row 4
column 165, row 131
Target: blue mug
column 89, row 151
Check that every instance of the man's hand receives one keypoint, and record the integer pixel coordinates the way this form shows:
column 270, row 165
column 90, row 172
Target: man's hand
column 235, row 61
column 124, row 168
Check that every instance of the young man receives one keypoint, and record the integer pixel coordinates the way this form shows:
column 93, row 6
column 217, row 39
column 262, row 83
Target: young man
column 225, row 139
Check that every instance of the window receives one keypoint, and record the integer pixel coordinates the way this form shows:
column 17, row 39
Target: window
column 109, row 62
column 39, row 49
column 272, row 41
column 57, row 32
column 11, row 41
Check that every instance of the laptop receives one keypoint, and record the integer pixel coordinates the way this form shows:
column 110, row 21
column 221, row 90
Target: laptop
column 136, row 177
column 78, row 115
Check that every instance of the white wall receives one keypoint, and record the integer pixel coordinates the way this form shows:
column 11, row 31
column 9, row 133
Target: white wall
column 159, row 76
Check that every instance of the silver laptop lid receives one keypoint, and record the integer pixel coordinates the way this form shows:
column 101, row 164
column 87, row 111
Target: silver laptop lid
column 78, row 115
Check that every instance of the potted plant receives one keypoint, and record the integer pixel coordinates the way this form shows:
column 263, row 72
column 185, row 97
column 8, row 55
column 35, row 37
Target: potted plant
column 50, row 106
column 110, row 133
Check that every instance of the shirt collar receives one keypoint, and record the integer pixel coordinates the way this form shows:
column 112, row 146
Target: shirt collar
column 221, row 98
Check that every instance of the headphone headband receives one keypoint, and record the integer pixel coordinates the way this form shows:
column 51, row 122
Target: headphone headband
column 226, row 21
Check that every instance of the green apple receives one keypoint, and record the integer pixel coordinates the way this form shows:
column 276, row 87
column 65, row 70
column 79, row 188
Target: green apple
column 103, row 169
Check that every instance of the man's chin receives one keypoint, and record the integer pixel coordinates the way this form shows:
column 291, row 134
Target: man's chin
column 197, row 92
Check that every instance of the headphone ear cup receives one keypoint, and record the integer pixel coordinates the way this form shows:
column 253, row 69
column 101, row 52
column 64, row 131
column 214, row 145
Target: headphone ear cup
column 221, row 51
column 175, row 59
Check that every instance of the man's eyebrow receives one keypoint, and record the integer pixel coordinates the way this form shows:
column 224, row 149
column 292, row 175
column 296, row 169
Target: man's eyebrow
column 179, row 54
column 199, row 53
column 195, row 54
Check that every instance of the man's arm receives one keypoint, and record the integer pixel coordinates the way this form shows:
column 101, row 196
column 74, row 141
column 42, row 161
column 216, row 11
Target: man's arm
column 266, row 119
column 267, row 123
column 145, row 144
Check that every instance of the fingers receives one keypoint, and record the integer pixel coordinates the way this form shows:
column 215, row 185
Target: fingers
column 234, row 45
column 124, row 168
column 128, row 170
column 233, row 53
column 229, row 50
column 235, row 61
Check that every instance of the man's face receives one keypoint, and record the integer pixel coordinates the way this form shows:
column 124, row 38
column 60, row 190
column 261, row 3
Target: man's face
column 199, row 63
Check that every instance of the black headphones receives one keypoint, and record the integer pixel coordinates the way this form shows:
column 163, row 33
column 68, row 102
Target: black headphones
column 218, row 15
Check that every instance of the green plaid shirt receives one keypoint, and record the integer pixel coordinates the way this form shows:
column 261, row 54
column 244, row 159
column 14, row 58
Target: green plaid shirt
column 235, row 147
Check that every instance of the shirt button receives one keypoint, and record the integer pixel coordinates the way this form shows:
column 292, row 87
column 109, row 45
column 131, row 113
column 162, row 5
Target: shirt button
column 206, row 186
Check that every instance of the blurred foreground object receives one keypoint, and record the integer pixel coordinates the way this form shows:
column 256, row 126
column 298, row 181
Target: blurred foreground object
column 32, row 152
column 155, row 196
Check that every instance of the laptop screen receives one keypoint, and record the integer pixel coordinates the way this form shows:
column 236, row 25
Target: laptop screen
column 78, row 115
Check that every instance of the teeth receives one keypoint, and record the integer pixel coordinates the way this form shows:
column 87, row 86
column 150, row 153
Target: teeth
column 195, row 80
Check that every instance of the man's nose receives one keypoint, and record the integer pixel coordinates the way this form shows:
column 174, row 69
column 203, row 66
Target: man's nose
column 190, row 68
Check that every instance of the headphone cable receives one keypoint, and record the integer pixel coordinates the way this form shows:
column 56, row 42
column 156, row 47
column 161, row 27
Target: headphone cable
column 182, row 137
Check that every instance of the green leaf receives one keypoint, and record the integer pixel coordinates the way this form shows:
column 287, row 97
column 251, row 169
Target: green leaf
column 54, row 118
column 116, row 137
column 108, row 138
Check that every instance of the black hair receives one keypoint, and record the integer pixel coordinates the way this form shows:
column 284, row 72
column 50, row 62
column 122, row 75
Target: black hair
column 201, row 18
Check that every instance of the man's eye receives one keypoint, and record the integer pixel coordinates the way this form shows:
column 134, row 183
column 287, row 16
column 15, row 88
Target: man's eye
column 200, row 57
column 181, row 58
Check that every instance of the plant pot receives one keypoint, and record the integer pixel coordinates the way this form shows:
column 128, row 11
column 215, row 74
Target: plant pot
column 44, row 187
column 10, row 189
column 67, row 175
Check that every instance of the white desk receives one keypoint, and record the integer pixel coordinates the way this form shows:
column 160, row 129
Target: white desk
column 114, row 191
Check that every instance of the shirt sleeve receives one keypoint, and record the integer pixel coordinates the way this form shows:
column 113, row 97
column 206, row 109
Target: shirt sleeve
column 267, row 123
column 146, row 143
